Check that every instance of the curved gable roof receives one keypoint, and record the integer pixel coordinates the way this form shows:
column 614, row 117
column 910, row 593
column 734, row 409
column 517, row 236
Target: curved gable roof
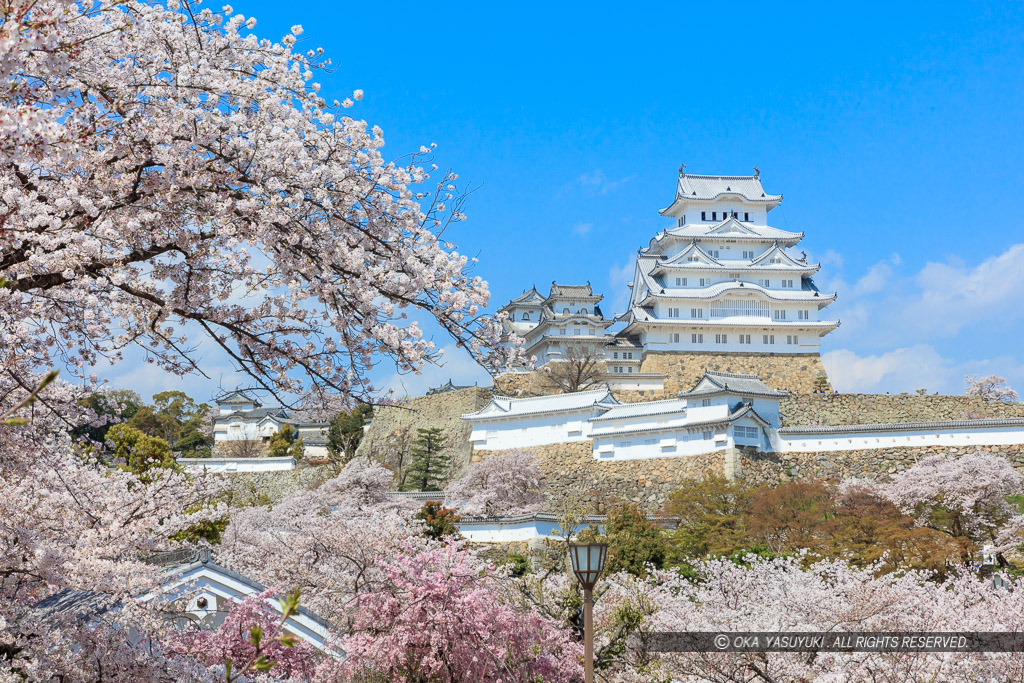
column 508, row 406
column 705, row 188
column 716, row 382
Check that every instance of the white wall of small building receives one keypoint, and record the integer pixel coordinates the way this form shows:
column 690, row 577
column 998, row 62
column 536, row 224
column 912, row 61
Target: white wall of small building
column 661, row 444
column 531, row 430
column 233, row 465
column 240, row 429
column 966, row 436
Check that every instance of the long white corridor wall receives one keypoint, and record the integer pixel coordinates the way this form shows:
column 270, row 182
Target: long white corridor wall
column 988, row 432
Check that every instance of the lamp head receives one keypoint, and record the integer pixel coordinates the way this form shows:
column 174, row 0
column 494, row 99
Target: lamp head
column 588, row 562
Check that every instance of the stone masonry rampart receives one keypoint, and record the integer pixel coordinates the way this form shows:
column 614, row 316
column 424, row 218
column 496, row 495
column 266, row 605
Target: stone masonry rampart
column 846, row 409
column 443, row 411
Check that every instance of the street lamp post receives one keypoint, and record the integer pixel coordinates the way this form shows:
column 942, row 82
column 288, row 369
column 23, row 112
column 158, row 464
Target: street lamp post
column 587, row 565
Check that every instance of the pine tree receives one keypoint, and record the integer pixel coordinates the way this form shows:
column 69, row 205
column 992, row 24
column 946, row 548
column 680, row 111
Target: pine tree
column 281, row 443
column 429, row 467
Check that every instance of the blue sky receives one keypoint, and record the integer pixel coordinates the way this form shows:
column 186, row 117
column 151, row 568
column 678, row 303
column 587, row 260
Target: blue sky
column 895, row 132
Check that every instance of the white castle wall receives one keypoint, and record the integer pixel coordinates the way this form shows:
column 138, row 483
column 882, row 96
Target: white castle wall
column 531, row 430
column 887, row 438
column 232, row 465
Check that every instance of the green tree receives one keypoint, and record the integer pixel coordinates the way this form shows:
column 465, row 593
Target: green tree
column 430, row 464
column 438, row 521
column 346, row 431
column 177, row 419
column 792, row 516
column 117, row 405
column 634, row 541
column 285, row 443
column 711, row 519
column 140, row 452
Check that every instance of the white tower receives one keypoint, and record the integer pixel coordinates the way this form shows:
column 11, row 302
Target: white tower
column 722, row 279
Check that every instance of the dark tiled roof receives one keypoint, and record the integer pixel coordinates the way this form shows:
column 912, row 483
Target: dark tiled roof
column 729, row 382
column 906, row 426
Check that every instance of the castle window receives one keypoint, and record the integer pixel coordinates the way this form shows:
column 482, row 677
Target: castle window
column 705, row 281
column 576, row 331
column 714, row 215
column 705, row 402
column 680, row 282
column 565, row 311
column 703, row 215
column 769, row 339
column 696, row 338
column 742, row 432
column 803, row 315
column 744, row 339
column 707, row 435
column 583, row 311
column 780, row 315
column 696, row 313
column 628, row 355
column 765, row 283
column 746, row 216
column 630, row 369
column 526, row 316
column 787, row 283
column 681, row 221
column 673, row 312
column 721, row 339
column 748, row 254
column 561, row 331
column 674, row 337
column 615, row 354
column 792, row 339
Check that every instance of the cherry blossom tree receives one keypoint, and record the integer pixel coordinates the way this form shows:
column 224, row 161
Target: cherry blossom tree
column 167, row 173
column 439, row 618
column 251, row 639
column 964, row 497
column 503, row 484
column 990, row 388
column 781, row 595
column 326, row 542
column 168, row 178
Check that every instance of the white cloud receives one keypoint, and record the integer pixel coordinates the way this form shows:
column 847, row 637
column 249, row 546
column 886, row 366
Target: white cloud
column 909, row 368
column 875, row 280
column 597, row 181
column 457, row 365
column 905, row 369
column 886, row 308
column 582, row 228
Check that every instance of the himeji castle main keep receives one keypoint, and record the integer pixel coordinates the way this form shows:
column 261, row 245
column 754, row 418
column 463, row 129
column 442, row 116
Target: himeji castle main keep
column 723, row 278
column 721, row 289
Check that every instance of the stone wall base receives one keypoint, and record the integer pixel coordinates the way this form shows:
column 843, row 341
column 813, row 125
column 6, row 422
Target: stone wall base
column 572, row 473
column 792, row 372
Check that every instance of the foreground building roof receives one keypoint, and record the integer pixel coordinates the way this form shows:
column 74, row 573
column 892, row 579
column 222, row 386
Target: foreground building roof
column 507, row 406
column 715, row 382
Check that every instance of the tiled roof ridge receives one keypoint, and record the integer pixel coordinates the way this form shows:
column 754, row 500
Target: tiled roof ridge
column 605, row 390
column 896, row 426
column 723, row 373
